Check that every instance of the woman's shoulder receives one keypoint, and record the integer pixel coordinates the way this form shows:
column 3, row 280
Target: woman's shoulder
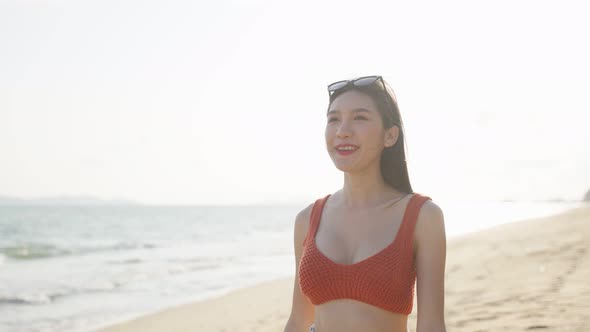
column 430, row 222
column 429, row 208
column 302, row 223
column 303, row 216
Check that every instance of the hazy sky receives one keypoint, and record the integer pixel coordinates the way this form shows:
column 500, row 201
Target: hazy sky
column 223, row 102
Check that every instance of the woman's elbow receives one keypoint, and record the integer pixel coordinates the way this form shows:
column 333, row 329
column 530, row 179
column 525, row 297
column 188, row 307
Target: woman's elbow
column 294, row 325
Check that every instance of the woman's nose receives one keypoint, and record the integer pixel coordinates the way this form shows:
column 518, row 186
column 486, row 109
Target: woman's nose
column 343, row 129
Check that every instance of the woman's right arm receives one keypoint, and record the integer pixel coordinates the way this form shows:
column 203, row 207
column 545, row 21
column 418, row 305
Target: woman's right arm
column 302, row 310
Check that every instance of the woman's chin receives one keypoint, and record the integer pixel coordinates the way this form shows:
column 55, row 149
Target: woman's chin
column 344, row 167
column 344, row 162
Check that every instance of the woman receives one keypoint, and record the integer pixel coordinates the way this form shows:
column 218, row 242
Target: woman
column 359, row 250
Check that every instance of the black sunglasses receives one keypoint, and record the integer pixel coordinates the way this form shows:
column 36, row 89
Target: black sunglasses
column 359, row 82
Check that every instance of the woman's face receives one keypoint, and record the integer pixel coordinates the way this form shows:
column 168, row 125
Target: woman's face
column 353, row 119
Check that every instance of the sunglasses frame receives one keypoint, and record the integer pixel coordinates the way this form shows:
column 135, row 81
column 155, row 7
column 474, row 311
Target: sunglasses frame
column 353, row 82
column 331, row 91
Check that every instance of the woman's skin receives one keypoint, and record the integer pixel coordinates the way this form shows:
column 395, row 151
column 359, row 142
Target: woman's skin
column 363, row 218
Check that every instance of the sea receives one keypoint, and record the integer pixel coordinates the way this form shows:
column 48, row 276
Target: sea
column 77, row 268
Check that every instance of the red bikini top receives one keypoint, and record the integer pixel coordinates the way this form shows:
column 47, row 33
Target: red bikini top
column 385, row 279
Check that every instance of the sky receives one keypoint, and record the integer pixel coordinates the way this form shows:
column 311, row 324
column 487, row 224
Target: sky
column 223, row 102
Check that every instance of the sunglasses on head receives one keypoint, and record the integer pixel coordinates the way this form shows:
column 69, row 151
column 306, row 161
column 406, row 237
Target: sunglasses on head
column 358, row 82
column 361, row 82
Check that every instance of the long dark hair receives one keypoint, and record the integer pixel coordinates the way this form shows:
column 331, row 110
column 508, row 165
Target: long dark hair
column 394, row 168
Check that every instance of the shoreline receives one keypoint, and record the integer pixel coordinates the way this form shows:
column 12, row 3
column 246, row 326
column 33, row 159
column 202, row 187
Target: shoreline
column 212, row 312
column 519, row 275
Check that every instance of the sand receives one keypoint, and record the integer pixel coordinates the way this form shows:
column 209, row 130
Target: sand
column 531, row 275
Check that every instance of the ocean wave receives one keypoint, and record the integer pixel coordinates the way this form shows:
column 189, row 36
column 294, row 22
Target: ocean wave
column 30, row 251
column 30, row 299
column 16, row 300
column 49, row 296
column 126, row 261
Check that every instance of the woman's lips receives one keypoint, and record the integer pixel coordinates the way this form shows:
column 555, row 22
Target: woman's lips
column 346, row 152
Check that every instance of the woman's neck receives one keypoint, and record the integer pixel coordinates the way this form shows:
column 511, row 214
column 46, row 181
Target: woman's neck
column 366, row 190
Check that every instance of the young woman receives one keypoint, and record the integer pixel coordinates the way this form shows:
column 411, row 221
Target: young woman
column 359, row 251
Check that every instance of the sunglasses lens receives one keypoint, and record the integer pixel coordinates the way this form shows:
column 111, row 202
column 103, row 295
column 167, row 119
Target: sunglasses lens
column 365, row 81
column 337, row 85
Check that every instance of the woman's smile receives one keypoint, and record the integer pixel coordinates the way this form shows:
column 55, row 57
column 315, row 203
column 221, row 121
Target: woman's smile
column 346, row 149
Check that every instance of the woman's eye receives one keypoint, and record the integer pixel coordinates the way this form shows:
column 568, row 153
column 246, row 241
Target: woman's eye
column 360, row 117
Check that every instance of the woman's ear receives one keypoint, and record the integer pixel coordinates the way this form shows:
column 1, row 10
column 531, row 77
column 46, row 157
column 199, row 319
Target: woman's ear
column 391, row 136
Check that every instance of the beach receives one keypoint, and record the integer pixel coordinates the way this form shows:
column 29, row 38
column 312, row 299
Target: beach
column 527, row 275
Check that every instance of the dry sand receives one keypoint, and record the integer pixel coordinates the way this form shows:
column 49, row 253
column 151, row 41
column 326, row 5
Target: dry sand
column 531, row 275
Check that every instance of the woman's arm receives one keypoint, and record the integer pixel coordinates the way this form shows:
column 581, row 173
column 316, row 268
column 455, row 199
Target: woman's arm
column 302, row 310
column 430, row 268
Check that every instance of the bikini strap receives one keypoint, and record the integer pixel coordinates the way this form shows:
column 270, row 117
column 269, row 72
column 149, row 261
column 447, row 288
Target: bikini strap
column 411, row 217
column 314, row 217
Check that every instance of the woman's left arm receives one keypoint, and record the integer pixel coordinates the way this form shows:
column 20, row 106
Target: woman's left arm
column 430, row 268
